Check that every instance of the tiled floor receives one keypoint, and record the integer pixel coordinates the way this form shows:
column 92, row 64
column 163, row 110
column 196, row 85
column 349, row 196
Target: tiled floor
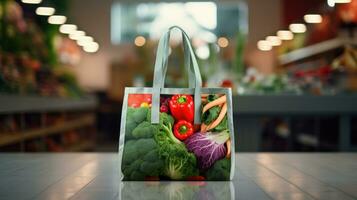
column 258, row 176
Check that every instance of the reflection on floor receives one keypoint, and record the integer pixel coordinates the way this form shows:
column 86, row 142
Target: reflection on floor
column 257, row 176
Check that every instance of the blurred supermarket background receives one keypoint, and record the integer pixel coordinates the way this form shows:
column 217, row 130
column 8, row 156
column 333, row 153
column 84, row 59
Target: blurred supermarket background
column 291, row 64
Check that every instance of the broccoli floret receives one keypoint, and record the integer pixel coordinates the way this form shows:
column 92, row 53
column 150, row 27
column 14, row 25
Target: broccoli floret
column 141, row 159
column 144, row 130
column 143, row 146
column 137, row 175
column 129, row 127
column 130, row 153
column 220, row 171
column 129, row 112
column 179, row 163
column 166, row 119
column 140, row 114
column 179, row 167
column 152, row 156
column 165, row 135
column 152, row 168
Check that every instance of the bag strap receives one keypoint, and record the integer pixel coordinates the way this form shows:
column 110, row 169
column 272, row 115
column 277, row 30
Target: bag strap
column 187, row 64
column 160, row 70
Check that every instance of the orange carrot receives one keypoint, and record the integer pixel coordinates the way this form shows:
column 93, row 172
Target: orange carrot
column 220, row 117
column 203, row 127
column 228, row 143
column 216, row 102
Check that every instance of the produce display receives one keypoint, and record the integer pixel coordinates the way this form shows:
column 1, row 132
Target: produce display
column 176, row 148
column 31, row 52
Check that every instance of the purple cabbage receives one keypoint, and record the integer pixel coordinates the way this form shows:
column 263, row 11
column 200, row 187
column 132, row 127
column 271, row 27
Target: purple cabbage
column 208, row 147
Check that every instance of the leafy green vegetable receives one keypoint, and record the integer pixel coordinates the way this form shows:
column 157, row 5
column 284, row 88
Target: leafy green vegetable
column 179, row 163
column 223, row 125
column 144, row 130
column 140, row 114
column 211, row 114
column 153, row 150
column 211, row 97
column 134, row 117
column 141, row 159
column 220, row 171
column 140, row 156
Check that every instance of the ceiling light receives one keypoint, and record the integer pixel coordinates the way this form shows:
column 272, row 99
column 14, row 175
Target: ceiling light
column 57, row 19
column 203, row 52
column 331, row 3
column 223, row 42
column 313, row 18
column 342, row 1
column 264, row 45
column 45, row 11
column 31, row 1
column 67, row 28
column 76, row 35
column 139, row 41
column 91, row 47
column 285, row 35
column 83, row 41
column 274, row 40
column 297, row 28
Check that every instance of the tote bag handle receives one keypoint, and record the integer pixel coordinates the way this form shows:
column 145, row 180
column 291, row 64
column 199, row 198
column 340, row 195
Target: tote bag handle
column 195, row 80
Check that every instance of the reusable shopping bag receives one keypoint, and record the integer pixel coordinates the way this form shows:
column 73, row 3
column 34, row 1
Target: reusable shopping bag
column 176, row 133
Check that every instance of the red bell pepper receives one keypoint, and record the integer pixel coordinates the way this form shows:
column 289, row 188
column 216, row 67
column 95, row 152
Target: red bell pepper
column 182, row 107
column 183, row 129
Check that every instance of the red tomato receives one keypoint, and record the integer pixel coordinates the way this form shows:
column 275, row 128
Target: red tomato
column 135, row 100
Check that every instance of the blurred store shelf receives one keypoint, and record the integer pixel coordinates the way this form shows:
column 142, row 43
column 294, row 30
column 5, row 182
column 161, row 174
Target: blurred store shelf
column 328, row 119
column 18, row 103
column 316, row 49
column 41, row 124
column 10, row 138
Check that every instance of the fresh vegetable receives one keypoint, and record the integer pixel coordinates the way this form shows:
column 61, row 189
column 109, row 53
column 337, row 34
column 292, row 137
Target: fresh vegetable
column 144, row 130
column 228, row 145
column 145, row 104
column 141, row 159
column 164, row 104
column 214, row 112
column 182, row 107
column 220, row 171
column 179, row 163
column 223, row 125
column 183, row 129
column 210, row 115
column 135, row 100
column 218, row 120
column 216, row 102
column 134, row 117
column 208, row 147
column 164, row 108
column 165, row 130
